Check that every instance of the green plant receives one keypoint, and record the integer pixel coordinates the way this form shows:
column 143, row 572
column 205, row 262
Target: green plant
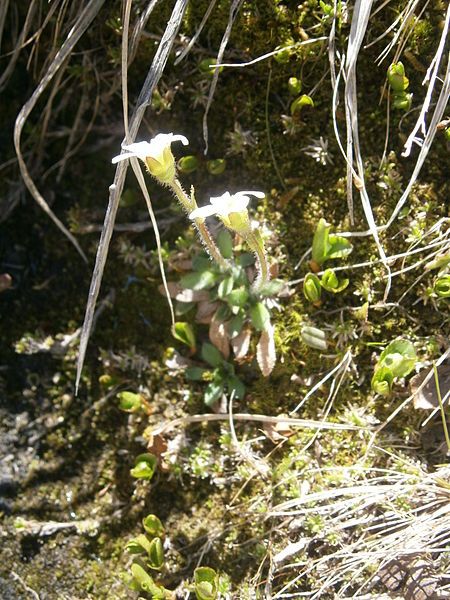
column 233, row 309
column 144, row 467
column 327, row 246
column 397, row 360
column 221, row 379
column 149, row 550
column 205, row 583
column 399, row 84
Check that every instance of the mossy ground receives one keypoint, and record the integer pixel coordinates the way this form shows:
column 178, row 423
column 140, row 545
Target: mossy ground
column 67, row 459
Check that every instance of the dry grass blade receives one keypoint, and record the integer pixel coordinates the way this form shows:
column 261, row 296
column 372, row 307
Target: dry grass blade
column 234, row 9
column 152, row 79
column 81, row 25
column 138, row 29
column 20, row 42
column 381, row 530
column 359, row 24
column 197, row 33
column 3, row 12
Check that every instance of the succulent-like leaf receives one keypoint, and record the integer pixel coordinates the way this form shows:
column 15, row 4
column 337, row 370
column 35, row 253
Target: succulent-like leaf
column 399, row 356
column 144, row 467
column 315, row 338
column 153, row 526
column 129, row 401
column 184, row 333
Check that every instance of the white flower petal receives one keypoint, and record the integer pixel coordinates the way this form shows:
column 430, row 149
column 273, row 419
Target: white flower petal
column 139, row 149
column 256, row 194
column 180, row 138
column 123, row 156
column 203, row 212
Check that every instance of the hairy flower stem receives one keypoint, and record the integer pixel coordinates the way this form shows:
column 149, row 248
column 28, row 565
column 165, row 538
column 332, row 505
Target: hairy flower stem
column 256, row 243
column 189, row 204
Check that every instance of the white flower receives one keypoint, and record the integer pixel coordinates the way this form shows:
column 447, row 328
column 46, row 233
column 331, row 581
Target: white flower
column 231, row 210
column 225, row 204
column 156, row 154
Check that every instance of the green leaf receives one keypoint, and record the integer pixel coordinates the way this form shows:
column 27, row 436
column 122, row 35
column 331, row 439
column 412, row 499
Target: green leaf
column 299, row 103
column 441, row 286
column 225, row 243
column 238, row 297
column 213, row 393
column 331, row 283
column 144, row 467
column 245, row 259
column 156, row 554
column 320, row 242
column 195, row 373
column 138, row 545
column 223, row 313
column 260, row 316
column 312, row 289
column 205, row 583
column 211, row 355
column 216, row 166
column 181, row 308
column 188, row 164
column 199, row 280
column 153, row 526
column 382, row 381
column 313, row 337
column 235, row 326
column 225, row 287
column 339, row 247
column 326, row 246
column 183, row 332
column 141, row 576
column 234, row 384
column 272, row 287
column 400, row 357
column 129, row 402
column 201, row 262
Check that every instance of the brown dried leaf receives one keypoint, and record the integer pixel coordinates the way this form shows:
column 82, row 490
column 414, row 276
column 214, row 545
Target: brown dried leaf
column 205, row 311
column 265, row 351
column 218, row 335
column 183, row 295
column 241, row 343
column 427, row 398
column 277, row 432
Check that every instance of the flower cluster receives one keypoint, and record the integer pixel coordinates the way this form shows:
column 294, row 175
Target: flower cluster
column 231, row 209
